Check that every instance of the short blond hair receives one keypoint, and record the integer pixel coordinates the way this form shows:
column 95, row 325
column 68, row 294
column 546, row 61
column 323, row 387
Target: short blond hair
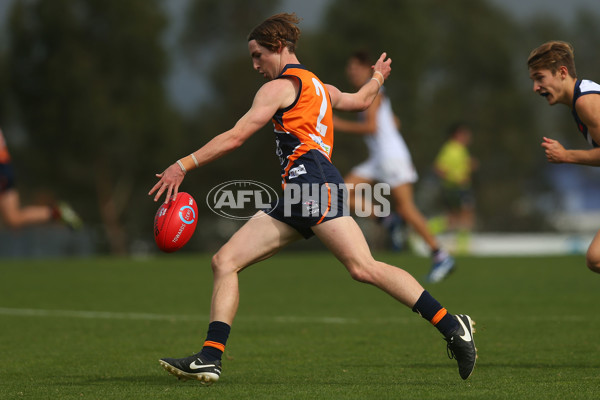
column 552, row 55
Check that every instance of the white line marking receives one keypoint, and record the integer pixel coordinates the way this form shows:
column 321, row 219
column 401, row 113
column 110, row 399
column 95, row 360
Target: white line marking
column 30, row 312
column 289, row 319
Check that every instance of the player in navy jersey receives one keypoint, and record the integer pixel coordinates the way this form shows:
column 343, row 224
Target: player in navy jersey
column 552, row 70
column 300, row 107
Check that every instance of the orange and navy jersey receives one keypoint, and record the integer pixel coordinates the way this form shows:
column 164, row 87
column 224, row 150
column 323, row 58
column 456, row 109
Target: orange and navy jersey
column 307, row 123
column 4, row 155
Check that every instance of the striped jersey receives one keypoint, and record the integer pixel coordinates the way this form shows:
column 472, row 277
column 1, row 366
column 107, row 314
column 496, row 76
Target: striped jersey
column 4, row 156
column 583, row 87
column 307, row 123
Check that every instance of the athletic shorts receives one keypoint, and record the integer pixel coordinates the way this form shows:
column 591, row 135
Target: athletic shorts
column 7, row 177
column 393, row 171
column 457, row 198
column 314, row 193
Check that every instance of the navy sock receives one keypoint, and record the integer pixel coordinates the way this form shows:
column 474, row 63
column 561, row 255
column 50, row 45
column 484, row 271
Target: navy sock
column 430, row 309
column 216, row 338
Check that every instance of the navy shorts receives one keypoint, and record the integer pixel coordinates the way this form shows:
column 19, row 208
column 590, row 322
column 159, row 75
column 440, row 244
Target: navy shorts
column 457, row 198
column 314, row 193
column 7, row 177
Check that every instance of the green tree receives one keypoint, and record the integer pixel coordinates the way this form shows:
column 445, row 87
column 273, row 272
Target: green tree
column 452, row 61
column 215, row 41
column 88, row 78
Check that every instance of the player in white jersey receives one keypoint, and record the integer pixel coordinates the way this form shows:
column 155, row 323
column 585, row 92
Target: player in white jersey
column 389, row 159
column 552, row 70
column 389, row 162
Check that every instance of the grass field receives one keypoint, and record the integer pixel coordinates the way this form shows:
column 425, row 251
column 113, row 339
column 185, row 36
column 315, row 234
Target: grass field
column 95, row 329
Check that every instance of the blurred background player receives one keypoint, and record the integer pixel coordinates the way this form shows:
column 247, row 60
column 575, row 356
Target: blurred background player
column 454, row 166
column 552, row 70
column 11, row 212
column 389, row 162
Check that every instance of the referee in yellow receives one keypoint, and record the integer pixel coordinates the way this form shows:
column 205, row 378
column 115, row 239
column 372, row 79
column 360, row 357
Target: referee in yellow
column 454, row 166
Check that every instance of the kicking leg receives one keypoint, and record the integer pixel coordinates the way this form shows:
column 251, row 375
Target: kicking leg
column 346, row 241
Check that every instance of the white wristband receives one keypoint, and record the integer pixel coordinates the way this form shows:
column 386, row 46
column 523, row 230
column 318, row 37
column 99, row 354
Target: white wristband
column 380, row 82
column 195, row 160
column 181, row 166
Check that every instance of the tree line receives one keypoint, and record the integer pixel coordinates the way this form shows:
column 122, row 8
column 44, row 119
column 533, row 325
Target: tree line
column 89, row 118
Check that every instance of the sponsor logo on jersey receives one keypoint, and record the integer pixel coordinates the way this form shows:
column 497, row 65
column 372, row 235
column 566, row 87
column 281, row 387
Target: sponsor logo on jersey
column 312, row 207
column 296, row 172
column 326, row 148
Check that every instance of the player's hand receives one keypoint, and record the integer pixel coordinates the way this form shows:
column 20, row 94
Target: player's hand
column 383, row 66
column 555, row 152
column 170, row 180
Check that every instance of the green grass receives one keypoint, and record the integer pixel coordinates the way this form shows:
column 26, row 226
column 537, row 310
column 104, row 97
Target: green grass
column 95, row 328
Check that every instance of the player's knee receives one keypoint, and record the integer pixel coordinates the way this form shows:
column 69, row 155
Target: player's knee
column 593, row 264
column 592, row 257
column 223, row 263
column 218, row 263
column 361, row 272
column 359, row 275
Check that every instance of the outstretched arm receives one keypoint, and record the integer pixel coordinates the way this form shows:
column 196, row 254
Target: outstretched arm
column 270, row 97
column 362, row 99
column 366, row 126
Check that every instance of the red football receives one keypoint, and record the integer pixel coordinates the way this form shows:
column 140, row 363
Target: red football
column 175, row 222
